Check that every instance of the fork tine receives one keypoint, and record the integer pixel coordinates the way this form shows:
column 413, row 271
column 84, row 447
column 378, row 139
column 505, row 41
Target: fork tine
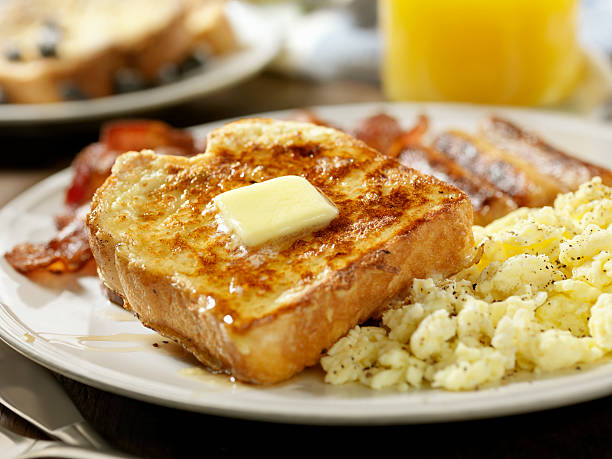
column 12, row 444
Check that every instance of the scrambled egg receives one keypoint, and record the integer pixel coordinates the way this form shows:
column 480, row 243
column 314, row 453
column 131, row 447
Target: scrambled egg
column 539, row 300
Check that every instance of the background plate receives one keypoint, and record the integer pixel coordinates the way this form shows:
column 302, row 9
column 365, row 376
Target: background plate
column 67, row 325
column 260, row 39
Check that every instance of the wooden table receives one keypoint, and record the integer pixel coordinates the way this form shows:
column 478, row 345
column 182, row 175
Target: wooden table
column 146, row 430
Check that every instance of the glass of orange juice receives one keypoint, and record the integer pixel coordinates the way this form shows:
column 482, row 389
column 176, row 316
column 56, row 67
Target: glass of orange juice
column 515, row 52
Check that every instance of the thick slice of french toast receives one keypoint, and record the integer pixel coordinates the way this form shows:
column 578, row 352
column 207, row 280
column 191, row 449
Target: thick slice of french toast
column 263, row 314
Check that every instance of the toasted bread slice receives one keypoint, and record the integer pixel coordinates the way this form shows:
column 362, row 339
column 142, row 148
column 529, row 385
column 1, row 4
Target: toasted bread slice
column 489, row 202
column 568, row 170
column 264, row 314
column 208, row 23
column 56, row 50
column 511, row 174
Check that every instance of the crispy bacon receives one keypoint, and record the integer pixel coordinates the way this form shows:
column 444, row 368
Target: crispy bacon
column 91, row 167
column 68, row 250
column 409, row 138
column 93, row 164
column 379, row 131
column 308, row 116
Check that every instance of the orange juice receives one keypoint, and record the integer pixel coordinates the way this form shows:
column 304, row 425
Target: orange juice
column 519, row 52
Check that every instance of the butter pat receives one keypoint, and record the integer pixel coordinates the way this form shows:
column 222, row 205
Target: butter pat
column 273, row 209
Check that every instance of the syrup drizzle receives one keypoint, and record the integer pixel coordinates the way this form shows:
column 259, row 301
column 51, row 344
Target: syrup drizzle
column 118, row 342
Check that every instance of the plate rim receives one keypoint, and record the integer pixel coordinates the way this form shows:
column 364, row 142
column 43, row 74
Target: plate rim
column 600, row 387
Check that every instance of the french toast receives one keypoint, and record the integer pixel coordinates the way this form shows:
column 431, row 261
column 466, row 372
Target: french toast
column 263, row 314
column 59, row 50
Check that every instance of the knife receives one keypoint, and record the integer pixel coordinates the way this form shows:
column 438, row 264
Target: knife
column 33, row 393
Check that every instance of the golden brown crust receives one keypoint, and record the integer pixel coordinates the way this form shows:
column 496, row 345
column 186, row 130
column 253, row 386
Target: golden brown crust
column 315, row 289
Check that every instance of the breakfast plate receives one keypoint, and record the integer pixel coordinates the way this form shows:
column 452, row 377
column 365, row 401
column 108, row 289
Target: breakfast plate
column 67, row 325
column 259, row 41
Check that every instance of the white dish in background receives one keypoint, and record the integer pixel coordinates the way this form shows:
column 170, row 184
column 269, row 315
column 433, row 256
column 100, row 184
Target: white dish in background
column 260, row 40
column 63, row 326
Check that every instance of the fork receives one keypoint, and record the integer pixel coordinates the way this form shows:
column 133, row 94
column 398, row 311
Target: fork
column 17, row 446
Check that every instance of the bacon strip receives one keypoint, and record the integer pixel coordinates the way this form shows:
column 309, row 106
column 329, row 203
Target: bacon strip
column 379, row 131
column 68, row 250
column 93, row 164
column 308, row 116
column 408, row 138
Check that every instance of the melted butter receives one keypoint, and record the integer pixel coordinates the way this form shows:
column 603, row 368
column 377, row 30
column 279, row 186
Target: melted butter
column 275, row 208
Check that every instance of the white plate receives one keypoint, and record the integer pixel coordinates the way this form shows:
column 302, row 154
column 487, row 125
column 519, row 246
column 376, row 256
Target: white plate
column 70, row 327
column 260, row 40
